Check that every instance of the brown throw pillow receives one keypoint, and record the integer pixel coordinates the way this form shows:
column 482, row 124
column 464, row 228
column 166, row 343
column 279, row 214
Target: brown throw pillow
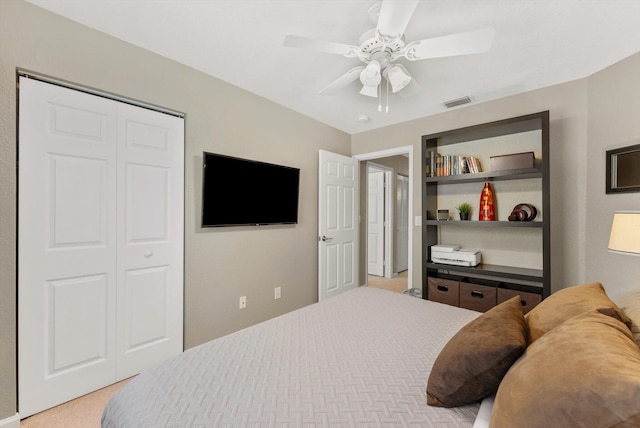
column 584, row 373
column 565, row 304
column 472, row 364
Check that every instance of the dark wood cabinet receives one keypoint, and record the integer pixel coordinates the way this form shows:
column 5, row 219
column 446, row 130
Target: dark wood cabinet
column 516, row 254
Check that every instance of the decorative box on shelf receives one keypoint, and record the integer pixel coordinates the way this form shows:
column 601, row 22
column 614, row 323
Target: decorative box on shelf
column 512, row 161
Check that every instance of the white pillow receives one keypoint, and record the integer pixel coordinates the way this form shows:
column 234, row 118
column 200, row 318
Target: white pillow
column 630, row 304
column 484, row 414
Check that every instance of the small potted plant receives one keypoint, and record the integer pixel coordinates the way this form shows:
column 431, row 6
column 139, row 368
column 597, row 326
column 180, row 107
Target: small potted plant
column 464, row 209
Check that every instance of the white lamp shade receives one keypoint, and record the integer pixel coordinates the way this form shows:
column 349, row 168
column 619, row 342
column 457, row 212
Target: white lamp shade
column 370, row 91
column 399, row 78
column 625, row 232
column 370, row 76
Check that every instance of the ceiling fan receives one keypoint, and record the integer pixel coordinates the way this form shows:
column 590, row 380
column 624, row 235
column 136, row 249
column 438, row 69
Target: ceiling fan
column 380, row 48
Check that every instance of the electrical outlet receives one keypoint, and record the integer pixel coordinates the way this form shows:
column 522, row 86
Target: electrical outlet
column 243, row 302
column 277, row 293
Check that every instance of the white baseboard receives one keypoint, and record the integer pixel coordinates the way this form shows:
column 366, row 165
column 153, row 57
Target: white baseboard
column 12, row 422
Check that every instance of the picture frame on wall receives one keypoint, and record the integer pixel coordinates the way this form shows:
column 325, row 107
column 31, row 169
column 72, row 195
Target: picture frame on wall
column 623, row 169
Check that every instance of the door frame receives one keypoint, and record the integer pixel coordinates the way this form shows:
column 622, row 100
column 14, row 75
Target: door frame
column 387, row 270
column 403, row 150
column 399, row 179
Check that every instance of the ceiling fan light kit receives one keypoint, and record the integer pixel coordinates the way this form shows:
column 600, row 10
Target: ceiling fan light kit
column 370, row 76
column 380, row 47
column 398, row 76
column 370, row 91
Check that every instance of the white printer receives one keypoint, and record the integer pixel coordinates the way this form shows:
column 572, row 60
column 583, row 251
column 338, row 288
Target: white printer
column 454, row 255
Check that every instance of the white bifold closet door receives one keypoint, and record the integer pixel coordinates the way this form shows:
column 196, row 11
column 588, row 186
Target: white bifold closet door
column 100, row 242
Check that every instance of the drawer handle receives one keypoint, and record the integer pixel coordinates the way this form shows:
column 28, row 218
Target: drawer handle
column 523, row 302
column 443, row 288
column 477, row 294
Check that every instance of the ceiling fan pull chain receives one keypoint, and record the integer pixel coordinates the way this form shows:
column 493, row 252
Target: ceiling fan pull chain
column 387, row 109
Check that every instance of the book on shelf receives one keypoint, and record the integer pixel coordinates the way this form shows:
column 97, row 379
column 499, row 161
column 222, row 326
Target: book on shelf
column 431, row 166
column 474, row 166
column 444, row 165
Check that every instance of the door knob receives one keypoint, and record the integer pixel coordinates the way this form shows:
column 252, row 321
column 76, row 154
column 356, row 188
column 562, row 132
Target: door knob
column 325, row 238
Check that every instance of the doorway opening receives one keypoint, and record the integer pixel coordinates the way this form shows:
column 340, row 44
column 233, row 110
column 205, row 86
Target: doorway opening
column 386, row 158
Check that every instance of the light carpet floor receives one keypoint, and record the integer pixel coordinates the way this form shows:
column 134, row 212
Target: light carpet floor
column 83, row 412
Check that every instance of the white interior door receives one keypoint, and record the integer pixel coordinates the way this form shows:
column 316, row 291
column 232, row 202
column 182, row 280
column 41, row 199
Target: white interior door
column 338, row 214
column 66, row 250
column 402, row 219
column 72, row 300
column 375, row 221
column 150, row 238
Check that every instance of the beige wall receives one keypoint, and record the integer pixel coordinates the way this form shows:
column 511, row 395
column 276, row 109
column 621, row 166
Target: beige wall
column 614, row 121
column 221, row 264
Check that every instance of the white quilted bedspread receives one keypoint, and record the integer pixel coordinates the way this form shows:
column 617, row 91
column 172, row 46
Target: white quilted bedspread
column 360, row 359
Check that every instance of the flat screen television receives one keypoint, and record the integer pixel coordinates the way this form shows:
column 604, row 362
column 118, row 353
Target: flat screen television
column 241, row 192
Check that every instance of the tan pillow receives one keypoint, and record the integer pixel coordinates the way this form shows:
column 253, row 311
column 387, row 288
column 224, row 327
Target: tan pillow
column 584, row 373
column 565, row 304
column 472, row 364
column 630, row 304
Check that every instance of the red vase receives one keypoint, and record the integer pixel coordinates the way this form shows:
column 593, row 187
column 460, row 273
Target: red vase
column 487, row 210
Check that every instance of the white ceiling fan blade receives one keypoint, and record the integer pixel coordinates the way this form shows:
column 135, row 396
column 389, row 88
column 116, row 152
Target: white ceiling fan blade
column 394, row 18
column 343, row 81
column 321, row 45
column 411, row 89
column 470, row 42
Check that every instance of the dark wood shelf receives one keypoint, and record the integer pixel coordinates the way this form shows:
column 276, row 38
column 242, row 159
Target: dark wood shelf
column 510, row 272
column 511, row 174
column 475, row 223
column 517, row 278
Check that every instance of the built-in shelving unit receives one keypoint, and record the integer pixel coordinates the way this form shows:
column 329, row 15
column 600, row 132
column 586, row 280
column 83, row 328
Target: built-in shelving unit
column 488, row 140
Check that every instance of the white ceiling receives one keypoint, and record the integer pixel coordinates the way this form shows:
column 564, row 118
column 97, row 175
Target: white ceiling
column 538, row 43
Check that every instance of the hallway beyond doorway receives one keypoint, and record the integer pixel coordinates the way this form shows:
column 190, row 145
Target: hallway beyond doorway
column 398, row 283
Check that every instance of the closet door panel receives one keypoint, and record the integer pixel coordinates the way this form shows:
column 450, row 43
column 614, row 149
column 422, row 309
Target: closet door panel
column 69, row 321
column 66, row 244
column 145, row 307
column 150, row 238
column 77, row 201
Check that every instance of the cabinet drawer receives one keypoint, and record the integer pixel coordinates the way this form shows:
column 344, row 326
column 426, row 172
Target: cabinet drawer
column 529, row 300
column 443, row 291
column 479, row 298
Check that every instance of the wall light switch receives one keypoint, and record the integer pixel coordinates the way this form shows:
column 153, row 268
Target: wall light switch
column 277, row 293
column 418, row 220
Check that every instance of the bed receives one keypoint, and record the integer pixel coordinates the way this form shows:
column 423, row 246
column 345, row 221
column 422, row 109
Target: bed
column 369, row 357
column 361, row 358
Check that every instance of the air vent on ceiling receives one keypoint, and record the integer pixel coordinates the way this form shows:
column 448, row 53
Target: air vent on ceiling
column 457, row 102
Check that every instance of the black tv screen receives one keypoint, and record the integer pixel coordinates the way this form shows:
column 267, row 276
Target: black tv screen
column 240, row 192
